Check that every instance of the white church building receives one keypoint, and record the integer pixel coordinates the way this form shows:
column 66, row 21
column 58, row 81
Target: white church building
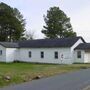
column 56, row 51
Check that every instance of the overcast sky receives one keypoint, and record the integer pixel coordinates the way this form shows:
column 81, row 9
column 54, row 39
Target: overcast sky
column 33, row 10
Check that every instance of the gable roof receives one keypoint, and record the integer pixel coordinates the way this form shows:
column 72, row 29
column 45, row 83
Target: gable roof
column 9, row 44
column 46, row 43
column 83, row 46
column 43, row 43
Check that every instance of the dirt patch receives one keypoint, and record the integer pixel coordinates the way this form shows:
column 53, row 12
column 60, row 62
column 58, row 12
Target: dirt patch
column 87, row 88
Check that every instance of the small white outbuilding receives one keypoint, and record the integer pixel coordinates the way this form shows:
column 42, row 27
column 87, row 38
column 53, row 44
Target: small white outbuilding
column 56, row 51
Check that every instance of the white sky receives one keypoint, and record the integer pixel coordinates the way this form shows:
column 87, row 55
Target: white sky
column 33, row 10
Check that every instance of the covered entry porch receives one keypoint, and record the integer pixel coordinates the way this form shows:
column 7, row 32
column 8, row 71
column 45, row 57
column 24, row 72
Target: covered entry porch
column 82, row 53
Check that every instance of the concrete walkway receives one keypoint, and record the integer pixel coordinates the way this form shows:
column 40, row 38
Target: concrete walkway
column 70, row 81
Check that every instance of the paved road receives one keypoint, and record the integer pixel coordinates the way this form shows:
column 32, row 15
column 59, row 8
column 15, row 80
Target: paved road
column 70, row 81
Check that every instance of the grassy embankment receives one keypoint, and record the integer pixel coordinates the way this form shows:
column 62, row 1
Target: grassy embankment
column 23, row 72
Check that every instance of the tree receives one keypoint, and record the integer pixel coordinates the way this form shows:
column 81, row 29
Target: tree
column 12, row 24
column 57, row 24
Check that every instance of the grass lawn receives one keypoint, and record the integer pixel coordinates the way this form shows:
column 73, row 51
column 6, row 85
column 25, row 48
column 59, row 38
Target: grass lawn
column 22, row 72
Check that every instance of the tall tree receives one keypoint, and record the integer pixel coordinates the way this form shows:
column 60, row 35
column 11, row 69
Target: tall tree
column 57, row 24
column 12, row 24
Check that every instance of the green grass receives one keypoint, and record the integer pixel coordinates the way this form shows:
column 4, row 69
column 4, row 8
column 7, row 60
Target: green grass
column 23, row 72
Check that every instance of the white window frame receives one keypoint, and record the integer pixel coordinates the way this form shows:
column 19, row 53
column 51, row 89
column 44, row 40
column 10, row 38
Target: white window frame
column 79, row 54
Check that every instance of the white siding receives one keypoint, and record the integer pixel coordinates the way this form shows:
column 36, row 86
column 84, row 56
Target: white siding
column 3, row 56
column 87, row 57
column 17, row 55
column 10, row 54
column 72, row 49
column 76, row 44
column 79, row 60
column 48, row 55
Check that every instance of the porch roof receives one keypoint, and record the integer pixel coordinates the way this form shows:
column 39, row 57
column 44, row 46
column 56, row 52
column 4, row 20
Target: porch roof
column 83, row 46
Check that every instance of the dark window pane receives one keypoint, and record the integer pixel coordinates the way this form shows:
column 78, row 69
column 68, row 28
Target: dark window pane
column 0, row 52
column 42, row 54
column 56, row 55
column 79, row 54
column 30, row 54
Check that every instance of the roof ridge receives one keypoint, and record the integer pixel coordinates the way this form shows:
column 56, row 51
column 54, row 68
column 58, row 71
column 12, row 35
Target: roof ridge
column 52, row 38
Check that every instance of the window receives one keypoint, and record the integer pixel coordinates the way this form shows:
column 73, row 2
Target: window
column 42, row 54
column 78, row 54
column 0, row 52
column 56, row 55
column 30, row 54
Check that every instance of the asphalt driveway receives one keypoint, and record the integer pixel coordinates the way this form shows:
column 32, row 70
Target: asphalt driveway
column 70, row 81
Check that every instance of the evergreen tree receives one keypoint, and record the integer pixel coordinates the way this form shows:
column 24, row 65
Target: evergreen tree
column 57, row 24
column 12, row 24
